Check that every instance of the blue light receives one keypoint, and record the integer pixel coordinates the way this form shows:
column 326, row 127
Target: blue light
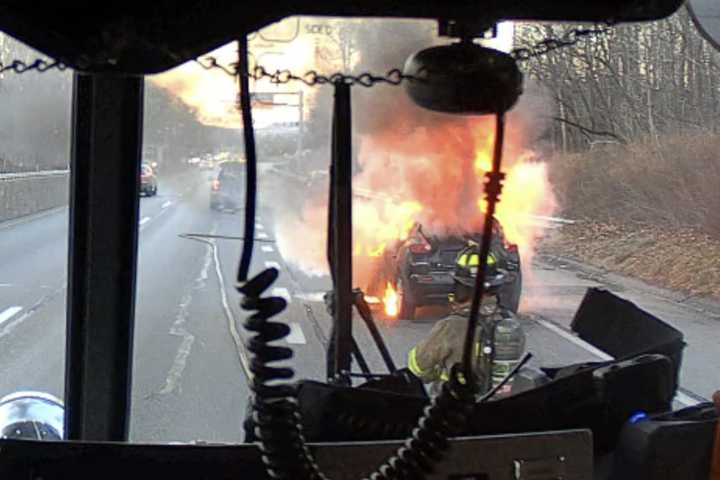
column 637, row 417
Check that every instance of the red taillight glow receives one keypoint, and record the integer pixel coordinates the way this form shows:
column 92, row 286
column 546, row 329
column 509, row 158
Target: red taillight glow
column 419, row 244
column 216, row 185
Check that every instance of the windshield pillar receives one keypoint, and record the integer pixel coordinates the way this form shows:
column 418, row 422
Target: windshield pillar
column 103, row 235
column 341, row 234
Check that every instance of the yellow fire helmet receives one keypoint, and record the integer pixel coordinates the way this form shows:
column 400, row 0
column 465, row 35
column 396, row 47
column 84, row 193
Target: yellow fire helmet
column 467, row 263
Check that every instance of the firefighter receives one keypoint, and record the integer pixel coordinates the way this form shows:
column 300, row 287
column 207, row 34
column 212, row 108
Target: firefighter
column 432, row 358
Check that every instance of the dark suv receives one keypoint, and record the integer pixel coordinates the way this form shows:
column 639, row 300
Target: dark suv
column 420, row 269
column 148, row 180
column 227, row 189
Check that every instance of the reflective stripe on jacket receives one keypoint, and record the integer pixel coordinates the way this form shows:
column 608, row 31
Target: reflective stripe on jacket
column 431, row 359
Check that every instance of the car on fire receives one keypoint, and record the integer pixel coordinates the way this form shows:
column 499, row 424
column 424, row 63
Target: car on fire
column 420, row 267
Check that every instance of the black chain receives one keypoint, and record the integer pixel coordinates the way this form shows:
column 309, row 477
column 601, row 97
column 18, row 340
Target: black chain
column 310, row 78
column 39, row 65
column 569, row 38
column 395, row 76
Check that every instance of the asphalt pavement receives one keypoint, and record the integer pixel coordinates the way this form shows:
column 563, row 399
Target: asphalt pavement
column 190, row 379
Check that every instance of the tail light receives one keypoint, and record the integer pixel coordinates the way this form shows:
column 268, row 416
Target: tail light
column 510, row 247
column 215, row 185
column 418, row 243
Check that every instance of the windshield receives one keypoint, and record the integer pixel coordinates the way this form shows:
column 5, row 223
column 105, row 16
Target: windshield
column 34, row 180
column 611, row 183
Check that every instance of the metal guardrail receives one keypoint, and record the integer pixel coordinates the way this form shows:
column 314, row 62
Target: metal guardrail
column 41, row 173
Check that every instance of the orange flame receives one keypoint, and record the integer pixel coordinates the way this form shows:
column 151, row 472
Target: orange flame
column 379, row 222
column 433, row 173
column 390, row 300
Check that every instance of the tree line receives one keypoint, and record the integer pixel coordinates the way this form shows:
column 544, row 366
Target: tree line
column 641, row 81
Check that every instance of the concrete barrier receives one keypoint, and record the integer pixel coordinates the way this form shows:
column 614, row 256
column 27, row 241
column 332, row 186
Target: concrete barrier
column 28, row 193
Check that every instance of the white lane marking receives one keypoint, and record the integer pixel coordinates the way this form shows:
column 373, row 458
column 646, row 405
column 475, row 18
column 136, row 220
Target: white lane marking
column 8, row 313
column 272, row 265
column 174, row 376
column 312, row 297
column 267, row 248
column 259, row 226
column 282, row 292
column 574, row 339
column 144, row 220
column 296, row 335
column 166, row 204
column 685, row 399
column 680, row 397
column 262, row 235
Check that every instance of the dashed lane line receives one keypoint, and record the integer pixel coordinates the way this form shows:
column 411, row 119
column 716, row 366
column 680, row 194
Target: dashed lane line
column 8, row 313
column 144, row 220
column 296, row 335
column 166, row 204
column 267, row 248
column 283, row 293
column 271, row 264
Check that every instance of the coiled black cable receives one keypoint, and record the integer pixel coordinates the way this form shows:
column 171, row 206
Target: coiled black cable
column 275, row 408
column 276, row 411
column 445, row 417
column 277, row 417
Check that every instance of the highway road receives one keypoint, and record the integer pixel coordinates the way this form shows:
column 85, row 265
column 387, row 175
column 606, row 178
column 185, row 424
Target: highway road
column 190, row 364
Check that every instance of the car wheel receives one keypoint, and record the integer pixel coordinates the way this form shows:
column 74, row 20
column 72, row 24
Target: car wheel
column 407, row 302
column 510, row 295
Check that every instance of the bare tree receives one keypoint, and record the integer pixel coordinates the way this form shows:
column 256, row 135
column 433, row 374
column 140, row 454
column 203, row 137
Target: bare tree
column 641, row 82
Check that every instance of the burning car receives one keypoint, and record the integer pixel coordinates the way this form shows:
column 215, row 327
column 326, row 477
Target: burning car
column 417, row 270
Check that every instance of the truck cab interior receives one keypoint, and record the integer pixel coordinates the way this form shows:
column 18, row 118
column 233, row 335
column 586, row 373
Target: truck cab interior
column 317, row 430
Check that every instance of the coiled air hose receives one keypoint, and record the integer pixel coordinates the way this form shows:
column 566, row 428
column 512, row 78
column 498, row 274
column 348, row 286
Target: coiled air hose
column 277, row 416
column 275, row 406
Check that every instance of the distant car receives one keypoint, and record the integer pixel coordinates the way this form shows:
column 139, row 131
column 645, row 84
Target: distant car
column 317, row 178
column 227, row 190
column 420, row 269
column 148, row 180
